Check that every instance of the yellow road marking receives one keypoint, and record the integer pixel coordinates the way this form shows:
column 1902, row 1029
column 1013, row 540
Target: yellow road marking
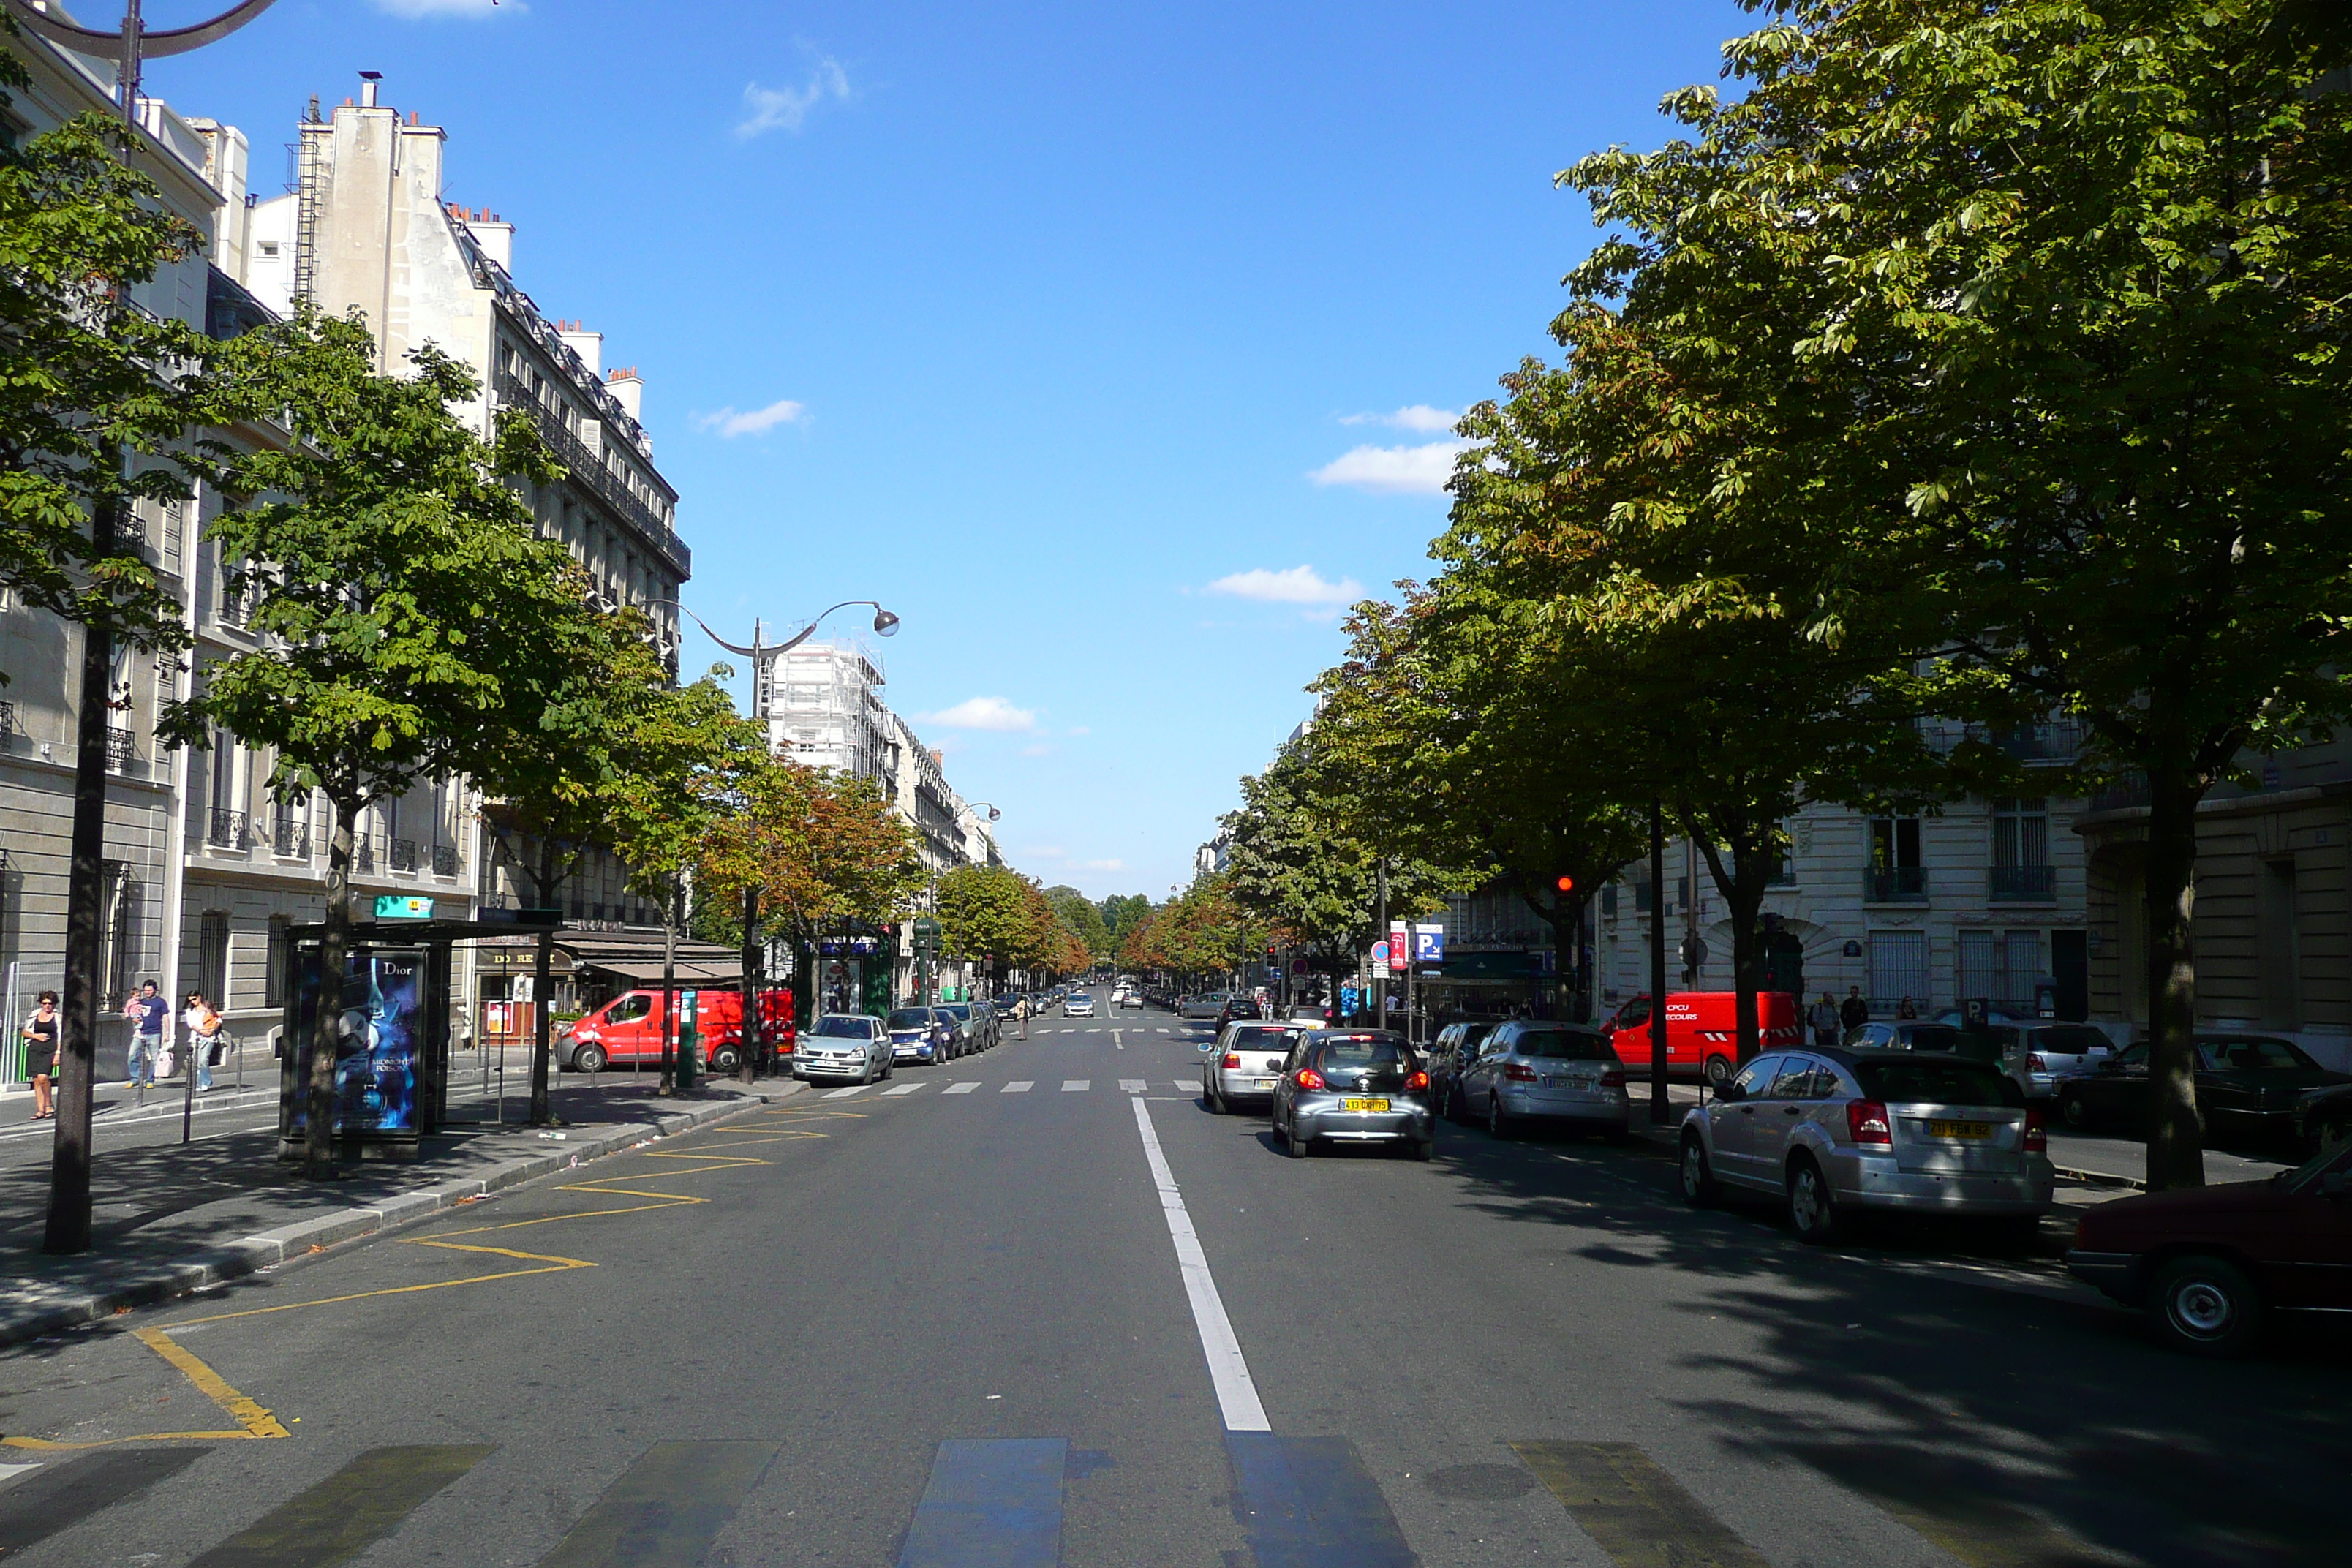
column 252, row 1420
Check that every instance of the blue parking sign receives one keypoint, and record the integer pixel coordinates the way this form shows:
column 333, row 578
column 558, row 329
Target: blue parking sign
column 1429, row 945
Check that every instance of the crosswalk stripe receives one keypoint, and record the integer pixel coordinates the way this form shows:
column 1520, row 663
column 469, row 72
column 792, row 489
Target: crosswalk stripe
column 63, row 1494
column 1077, row 1085
column 1019, row 1085
column 991, row 1501
column 961, row 1087
column 1133, row 1085
column 1310, row 1501
column 347, row 1512
column 666, row 1508
column 846, row 1093
column 1633, row 1509
column 1188, row 1088
column 10, row 1472
column 900, row 1089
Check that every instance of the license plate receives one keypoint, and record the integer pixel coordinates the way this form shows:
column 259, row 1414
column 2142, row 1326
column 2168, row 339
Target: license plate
column 1363, row 1105
column 1266, row 1083
column 1960, row 1130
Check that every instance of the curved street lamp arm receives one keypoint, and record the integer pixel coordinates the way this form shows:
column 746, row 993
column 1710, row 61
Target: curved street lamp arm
column 802, row 635
column 108, row 46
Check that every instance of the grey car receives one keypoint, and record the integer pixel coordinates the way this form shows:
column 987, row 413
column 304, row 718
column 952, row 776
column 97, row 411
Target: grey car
column 1833, row 1132
column 1353, row 1086
column 1528, row 1071
column 959, row 1039
column 1242, row 1066
column 847, row 1046
column 977, row 1022
column 1455, row 1047
column 1204, row 1008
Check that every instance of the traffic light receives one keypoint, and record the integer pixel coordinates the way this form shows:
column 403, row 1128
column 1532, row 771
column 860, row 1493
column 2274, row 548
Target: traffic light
column 1567, row 884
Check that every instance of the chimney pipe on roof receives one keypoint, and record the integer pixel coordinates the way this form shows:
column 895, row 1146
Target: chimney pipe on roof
column 367, row 88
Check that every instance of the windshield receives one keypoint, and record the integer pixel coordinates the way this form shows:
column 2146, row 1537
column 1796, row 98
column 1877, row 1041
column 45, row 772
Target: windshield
column 960, row 1009
column 2254, row 1054
column 1352, row 1051
column 844, row 1026
column 1568, row 1044
column 909, row 1018
column 1260, row 1038
column 2071, row 1039
column 1938, row 1083
column 1928, row 1038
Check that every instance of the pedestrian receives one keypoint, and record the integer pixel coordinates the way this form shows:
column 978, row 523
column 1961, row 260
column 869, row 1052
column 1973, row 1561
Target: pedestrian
column 148, row 1013
column 1907, row 1010
column 204, row 1027
column 40, row 1033
column 1854, row 1012
column 1827, row 1026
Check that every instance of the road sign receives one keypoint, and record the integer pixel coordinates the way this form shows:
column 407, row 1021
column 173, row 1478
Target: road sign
column 1380, row 956
column 1429, row 945
column 402, row 906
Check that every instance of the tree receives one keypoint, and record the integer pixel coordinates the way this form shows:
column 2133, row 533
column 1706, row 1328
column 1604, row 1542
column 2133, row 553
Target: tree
column 1079, row 913
column 990, row 914
column 411, row 616
column 1122, row 913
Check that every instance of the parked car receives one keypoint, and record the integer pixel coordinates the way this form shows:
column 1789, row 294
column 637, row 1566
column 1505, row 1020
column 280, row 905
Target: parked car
column 1455, row 1047
column 959, row 1032
column 2053, row 1051
column 628, row 1030
column 1998, row 1048
column 2253, row 1085
column 1833, row 1132
column 975, row 1022
column 2209, row 1265
column 1077, row 1005
column 1703, row 1031
column 916, row 1036
column 2323, row 1117
column 1237, row 1008
column 1241, row 1067
column 1353, row 1086
column 844, row 1046
column 1204, row 1005
column 1526, row 1071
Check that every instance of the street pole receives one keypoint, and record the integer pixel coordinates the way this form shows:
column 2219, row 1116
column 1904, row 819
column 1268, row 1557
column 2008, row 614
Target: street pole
column 1661, row 1111
column 1381, row 934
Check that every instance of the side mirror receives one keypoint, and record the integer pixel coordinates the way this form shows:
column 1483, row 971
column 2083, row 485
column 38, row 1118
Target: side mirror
column 1728, row 1093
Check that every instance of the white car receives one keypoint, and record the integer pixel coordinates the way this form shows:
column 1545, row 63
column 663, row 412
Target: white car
column 1077, row 1005
column 844, row 1046
column 1242, row 1066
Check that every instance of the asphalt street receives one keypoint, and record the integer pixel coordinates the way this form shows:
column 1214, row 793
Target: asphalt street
column 1042, row 1307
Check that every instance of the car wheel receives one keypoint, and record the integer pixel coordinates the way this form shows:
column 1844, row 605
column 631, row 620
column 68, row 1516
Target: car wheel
column 1456, row 1111
column 889, row 1064
column 1698, row 1177
column 1293, row 1144
column 1216, row 1102
column 725, row 1060
column 2072, row 1111
column 1498, row 1125
column 589, row 1059
column 1718, row 1071
column 2207, row 1307
column 1424, row 1149
column 1811, row 1208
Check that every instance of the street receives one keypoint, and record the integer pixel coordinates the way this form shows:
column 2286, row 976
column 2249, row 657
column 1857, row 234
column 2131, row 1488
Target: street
column 942, row 1319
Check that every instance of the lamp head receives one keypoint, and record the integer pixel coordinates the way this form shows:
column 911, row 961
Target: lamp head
column 884, row 623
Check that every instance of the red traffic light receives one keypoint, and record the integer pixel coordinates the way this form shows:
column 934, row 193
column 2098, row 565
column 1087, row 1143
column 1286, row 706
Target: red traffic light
column 1567, row 884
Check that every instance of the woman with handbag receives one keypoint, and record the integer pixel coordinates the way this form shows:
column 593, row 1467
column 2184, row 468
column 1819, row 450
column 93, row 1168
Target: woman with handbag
column 204, row 1027
column 40, row 1033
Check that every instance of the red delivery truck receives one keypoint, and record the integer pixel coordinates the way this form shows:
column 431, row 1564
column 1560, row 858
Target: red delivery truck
column 627, row 1030
column 1703, row 1031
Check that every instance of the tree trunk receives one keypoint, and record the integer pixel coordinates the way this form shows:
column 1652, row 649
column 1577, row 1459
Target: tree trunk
column 69, row 1224
column 750, row 1037
column 670, row 912
column 334, row 946
column 2176, row 1155
column 541, row 1021
column 1659, row 1111
column 1742, row 886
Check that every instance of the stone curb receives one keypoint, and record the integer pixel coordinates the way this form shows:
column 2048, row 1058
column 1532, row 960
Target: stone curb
column 154, row 1282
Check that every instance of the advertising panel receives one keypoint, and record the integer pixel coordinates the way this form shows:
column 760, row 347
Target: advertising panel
column 376, row 1040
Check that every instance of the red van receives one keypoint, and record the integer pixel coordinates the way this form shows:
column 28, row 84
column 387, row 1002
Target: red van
column 1703, row 1031
column 627, row 1030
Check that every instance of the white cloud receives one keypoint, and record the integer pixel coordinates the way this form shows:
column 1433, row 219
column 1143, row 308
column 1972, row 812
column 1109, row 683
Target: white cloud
column 1421, row 418
column 1297, row 585
column 415, row 10
column 783, row 107
column 1393, row 470
column 754, row 421
column 984, row 713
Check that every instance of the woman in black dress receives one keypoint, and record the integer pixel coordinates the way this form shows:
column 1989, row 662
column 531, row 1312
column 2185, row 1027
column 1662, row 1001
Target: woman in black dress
column 41, row 1053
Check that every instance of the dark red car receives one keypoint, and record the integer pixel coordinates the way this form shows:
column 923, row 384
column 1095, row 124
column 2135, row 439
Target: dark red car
column 2211, row 1264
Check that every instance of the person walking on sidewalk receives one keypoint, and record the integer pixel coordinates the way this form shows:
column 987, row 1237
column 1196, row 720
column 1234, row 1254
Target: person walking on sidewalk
column 204, row 1028
column 1825, row 1021
column 1854, row 1012
column 148, row 1013
column 40, row 1033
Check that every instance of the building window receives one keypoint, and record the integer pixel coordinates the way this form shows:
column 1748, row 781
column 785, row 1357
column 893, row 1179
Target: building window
column 212, row 958
column 279, row 962
column 1895, row 875
column 1999, row 967
column 2020, row 870
column 118, row 932
column 1898, row 968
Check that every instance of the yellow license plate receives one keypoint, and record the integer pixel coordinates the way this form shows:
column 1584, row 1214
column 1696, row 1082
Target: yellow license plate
column 1363, row 1105
column 1960, row 1130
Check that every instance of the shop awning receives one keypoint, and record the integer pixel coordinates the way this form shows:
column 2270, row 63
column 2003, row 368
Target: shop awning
column 687, row 972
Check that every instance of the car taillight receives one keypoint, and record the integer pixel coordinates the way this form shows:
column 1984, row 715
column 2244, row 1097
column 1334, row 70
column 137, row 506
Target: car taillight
column 1520, row 1072
column 1230, row 1060
column 1613, row 1078
column 1866, row 1119
column 2037, row 1133
column 1418, row 1080
column 1309, row 1078
column 2035, row 1062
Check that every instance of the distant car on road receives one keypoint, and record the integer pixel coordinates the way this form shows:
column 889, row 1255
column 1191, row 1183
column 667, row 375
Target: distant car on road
column 915, row 1035
column 1243, row 1065
column 1237, row 1008
column 976, row 1022
column 1524, row 1072
column 2209, row 1265
column 844, row 1046
column 1455, row 1047
column 1077, row 1005
column 1205, row 1007
column 1353, row 1086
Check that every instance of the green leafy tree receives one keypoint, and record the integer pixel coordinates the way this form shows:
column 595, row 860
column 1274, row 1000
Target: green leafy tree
column 987, row 915
column 408, row 611
column 1082, row 917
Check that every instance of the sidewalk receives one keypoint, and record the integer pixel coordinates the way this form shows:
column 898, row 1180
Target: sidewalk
column 171, row 1218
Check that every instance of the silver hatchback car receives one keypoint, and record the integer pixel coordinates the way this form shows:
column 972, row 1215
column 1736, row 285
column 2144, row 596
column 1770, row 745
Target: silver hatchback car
column 1832, row 1132
column 1242, row 1066
column 1353, row 1086
column 1526, row 1071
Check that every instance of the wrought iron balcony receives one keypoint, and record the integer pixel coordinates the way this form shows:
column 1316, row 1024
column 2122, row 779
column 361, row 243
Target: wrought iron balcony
column 364, row 854
column 589, row 470
column 1896, row 885
column 2125, row 793
column 291, row 839
column 227, row 830
column 7, row 721
column 2021, row 884
column 403, row 854
column 444, row 859
column 2058, row 741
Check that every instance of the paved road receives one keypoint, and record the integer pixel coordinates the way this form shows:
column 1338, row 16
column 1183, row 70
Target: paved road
column 1040, row 1307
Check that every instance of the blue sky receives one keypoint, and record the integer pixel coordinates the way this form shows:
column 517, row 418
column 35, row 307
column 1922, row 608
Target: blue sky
column 1109, row 346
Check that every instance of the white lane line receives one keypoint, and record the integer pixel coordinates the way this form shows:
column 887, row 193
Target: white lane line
column 1133, row 1085
column 1019, row 1085
column 846, row 1093
column 1077, row 1085
column 1193, row 1088
column 10, row 1472
column 1229, row 1372
column 1163, row 1031
column 900, row 1089
column 961, row 1087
